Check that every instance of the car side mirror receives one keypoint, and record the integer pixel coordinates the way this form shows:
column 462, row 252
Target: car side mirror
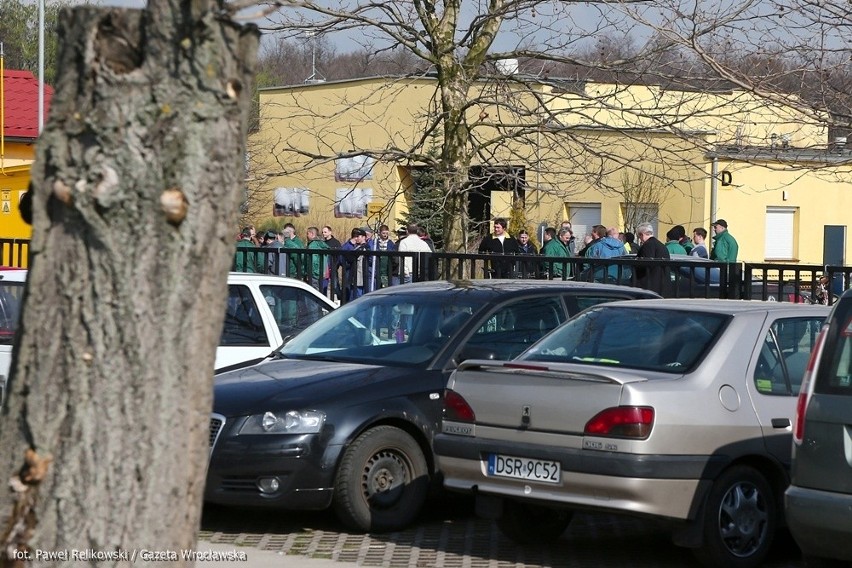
column 363, row 337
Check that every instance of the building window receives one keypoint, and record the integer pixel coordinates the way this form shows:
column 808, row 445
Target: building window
column 292, row 201
column 634, row 214
column 354, row 168
column 352, row 201
column 780, row 233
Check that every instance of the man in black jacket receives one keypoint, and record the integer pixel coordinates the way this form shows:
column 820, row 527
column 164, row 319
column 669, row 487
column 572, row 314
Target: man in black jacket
column 653, row 277
column 500, row 243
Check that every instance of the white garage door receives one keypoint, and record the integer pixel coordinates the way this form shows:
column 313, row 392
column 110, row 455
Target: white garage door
column 779, row 233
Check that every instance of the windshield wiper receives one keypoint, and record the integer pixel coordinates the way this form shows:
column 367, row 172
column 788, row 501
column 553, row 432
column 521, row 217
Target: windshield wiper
column 277, row 354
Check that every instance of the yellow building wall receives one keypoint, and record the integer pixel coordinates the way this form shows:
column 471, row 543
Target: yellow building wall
column 335, row 119
column 16, row 154
column 615, row 131
column 735, row 117
column 14, row 182
column 821, row 196
column 303, row 122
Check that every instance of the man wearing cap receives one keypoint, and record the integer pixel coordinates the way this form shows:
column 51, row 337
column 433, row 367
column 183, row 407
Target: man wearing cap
column 725, row 246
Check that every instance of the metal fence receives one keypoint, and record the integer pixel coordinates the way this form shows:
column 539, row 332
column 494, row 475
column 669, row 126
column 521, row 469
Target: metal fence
column 14, row 252
column 345, row 274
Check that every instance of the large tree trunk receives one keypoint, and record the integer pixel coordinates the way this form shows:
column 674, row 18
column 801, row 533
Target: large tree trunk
column 455, row 159
column 136, row 187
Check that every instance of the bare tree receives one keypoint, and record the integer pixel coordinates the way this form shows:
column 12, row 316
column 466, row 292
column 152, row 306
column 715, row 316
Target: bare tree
column 791, row 51
column 498, row 69
column 641, row 194
column 104, row 436
column 456, row 41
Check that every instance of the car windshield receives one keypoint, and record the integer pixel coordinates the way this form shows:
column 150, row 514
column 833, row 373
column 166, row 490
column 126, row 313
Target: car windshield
column 670, row 341
column 385, row 329
column 11, row 297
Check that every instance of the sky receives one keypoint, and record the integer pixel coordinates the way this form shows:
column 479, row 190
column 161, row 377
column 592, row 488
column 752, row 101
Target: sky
column 577, row 16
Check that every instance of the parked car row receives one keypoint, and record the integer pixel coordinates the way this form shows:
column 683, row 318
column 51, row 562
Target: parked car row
column 344, row 414
column 540, row 398
column 543, row 398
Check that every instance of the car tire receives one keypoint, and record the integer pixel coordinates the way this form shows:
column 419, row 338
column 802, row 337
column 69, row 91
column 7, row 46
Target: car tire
column 526, row 523
column 382, row 481
column 739, row 520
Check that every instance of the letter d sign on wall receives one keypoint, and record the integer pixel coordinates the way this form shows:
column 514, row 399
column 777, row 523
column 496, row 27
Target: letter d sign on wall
column 725, row 176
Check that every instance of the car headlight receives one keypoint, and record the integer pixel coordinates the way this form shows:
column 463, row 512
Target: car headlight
column 292, row 422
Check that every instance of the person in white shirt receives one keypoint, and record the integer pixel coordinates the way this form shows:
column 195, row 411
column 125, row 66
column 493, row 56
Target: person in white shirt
column 411, row 243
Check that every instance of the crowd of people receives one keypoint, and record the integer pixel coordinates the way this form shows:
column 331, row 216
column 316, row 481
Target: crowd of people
column 354, row 276
column 357, row 274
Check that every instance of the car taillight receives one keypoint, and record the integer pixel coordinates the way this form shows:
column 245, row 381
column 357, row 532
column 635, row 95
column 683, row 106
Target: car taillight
column 807, row 388
column 622, row 422
column 456, row 408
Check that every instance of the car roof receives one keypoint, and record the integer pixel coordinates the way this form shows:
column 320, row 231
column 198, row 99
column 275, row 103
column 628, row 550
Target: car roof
column 272, row 279
column 253, row 277
column 509, row 287
column 723, row 306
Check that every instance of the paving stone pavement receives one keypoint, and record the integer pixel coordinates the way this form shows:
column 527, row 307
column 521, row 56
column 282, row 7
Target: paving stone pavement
column 455, row 538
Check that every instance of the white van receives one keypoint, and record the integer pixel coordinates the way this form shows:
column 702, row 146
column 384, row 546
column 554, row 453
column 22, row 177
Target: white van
column 262, row 311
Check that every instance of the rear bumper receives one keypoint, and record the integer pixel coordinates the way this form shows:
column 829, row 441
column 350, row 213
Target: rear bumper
column 820, row 521
column 669, row 486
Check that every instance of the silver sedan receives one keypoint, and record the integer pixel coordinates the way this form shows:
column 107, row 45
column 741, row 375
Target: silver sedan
column 678, row 410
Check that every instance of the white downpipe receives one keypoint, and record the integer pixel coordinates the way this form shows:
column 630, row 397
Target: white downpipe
column 714, row 187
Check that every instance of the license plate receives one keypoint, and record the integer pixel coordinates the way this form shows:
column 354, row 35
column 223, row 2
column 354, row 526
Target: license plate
column 523, row 468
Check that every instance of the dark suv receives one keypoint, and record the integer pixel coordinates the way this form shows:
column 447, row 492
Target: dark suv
column 819, row 499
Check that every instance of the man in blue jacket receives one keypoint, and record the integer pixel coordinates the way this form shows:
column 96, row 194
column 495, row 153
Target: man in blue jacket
column 606, row 245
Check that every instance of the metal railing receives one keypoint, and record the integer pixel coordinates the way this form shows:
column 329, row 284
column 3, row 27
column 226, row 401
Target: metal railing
column 14, row 252
column 345, row 274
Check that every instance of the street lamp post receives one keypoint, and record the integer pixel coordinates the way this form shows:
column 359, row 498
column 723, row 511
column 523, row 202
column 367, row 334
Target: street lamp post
column 40, row 65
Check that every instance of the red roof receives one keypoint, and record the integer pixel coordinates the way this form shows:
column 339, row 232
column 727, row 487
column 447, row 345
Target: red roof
column 20, row 97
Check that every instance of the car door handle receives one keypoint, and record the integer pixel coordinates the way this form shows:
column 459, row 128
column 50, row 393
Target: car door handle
column 780, row 422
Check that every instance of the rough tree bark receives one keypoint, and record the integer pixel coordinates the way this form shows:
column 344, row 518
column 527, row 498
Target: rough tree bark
column 136, row 188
